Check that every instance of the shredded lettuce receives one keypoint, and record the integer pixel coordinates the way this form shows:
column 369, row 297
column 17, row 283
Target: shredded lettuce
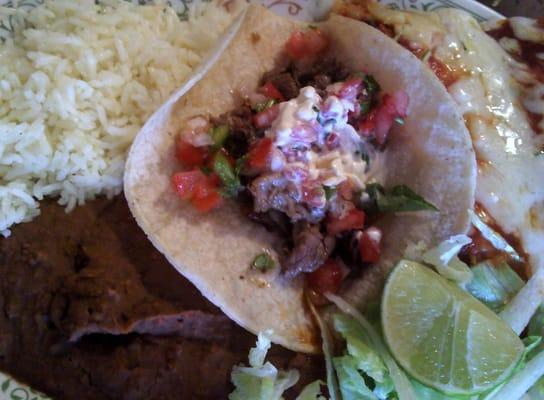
column 327, row 346
column 401, row 383
column 519, row 311
column 261, row 380
column 444, row 259
column 536, row 329
column 352, row 384
column 312, row 391
column 494, row 285
column 361, row 364
column 368, row 360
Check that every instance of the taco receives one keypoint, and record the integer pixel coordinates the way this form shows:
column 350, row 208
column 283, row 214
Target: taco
column 338, row 141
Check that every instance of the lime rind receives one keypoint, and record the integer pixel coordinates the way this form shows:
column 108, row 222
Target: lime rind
column 444, row 337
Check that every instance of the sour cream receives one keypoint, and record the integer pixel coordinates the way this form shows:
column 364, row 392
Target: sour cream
column 302, row 129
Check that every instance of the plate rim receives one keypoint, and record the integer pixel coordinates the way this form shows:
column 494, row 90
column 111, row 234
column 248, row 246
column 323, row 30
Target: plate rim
column 476, row 5
column 478, row 10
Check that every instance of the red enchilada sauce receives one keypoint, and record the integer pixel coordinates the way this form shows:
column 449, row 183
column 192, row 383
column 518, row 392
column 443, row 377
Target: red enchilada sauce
column 482, row 250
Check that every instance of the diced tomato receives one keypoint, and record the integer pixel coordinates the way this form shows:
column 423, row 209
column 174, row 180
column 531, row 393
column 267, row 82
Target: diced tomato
column 393, row 106
column 200, row 189
column 259, row 154
column 350, row 88
column 367, row 125
column 308, row 43
column 205, row 194
column 442, row 71
column 265, row 118
column 185, row 182
column 327, row 278
column 208, row 202
column 271, row 92
column 345, row 189
column 396, row 104
column 369, row 245
column 189, row 155
column 354, row 219
column 382, row 124
column 204, row 187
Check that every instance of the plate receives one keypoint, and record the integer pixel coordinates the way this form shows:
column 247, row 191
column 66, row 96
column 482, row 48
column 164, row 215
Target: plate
column 10, row 389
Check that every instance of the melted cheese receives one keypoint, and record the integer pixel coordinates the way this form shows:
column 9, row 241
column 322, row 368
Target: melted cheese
column 511, row 181
column 510, row 177
column 527, row 29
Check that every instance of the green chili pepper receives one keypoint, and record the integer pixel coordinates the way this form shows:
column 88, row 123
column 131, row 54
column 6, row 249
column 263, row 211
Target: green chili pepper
column 219, row 134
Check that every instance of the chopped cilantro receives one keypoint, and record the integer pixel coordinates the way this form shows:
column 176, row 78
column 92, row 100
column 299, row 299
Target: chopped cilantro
column 240, row 164
column 260, row 107
column 357, row 74
column 371, row 85
column 365, row 106
column 329, row 192
column 399, row 198
column 219, row 134
column 365, row 157
column 263, row 262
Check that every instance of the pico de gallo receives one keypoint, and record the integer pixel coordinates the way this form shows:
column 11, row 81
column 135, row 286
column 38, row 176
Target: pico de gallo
column 302, row 155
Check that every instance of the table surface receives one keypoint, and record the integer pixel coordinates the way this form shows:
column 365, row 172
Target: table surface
column 510, row 8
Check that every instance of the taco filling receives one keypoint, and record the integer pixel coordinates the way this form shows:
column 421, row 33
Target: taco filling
column 303, row 156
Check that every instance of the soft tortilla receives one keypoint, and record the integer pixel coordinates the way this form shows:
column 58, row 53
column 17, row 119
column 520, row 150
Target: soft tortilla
column 431, row 153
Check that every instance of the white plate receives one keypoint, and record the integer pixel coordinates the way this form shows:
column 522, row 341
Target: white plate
column 302, row 9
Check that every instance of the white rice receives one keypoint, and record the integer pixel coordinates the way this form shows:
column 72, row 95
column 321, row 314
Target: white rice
column 76, row 84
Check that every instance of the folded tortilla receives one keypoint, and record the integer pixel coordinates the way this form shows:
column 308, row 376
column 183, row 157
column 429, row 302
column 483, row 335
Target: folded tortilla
column 431, row 153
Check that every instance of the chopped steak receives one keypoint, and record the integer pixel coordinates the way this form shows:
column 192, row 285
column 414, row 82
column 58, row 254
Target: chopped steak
column 274, row 221
column 310, row 250
column 90, row 310
column 242, row 133
column 320, row 74
column 275, row 192
column 286, row 84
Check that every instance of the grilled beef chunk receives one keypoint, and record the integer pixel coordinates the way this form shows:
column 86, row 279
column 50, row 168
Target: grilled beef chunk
column 242, row 133
column 275, row 192
column 274, row 221
column 286, row 84
column 320, row 74
column 311, row 249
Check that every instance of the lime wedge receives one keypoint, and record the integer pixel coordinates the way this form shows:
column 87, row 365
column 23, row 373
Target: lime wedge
column 444, row 337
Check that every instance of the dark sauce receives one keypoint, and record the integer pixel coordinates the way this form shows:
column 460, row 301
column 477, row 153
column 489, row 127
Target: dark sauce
column 482, row 250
